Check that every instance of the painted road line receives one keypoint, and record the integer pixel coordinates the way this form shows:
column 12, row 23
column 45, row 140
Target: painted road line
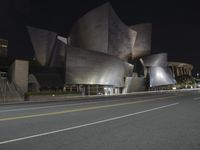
column 85, row 125
column 77, row 104
column 197, row 98
column 82, row 109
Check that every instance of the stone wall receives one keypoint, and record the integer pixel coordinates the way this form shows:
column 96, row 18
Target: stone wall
column 19, row 75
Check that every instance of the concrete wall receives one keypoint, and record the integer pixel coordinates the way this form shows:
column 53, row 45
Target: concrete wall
column 19, row 74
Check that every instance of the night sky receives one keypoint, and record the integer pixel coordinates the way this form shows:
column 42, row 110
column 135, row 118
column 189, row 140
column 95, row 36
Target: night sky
column 176, row 24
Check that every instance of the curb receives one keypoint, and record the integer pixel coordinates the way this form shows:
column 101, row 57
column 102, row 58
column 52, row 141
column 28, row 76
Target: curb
column 77, row 98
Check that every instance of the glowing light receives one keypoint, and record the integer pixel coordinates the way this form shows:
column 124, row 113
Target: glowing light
column 159, row 74
column 174, row 88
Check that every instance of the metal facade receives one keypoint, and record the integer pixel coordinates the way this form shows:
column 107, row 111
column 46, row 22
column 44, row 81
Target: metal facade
column 102, row 30
column 89, row 67
column 159, row 73
column 98, row 52
column 43, row 42
column 142, row 46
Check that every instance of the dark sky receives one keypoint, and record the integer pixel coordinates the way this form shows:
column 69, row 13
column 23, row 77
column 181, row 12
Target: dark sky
column 176, row 24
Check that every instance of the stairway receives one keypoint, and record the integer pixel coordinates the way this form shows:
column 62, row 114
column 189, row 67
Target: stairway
column 9, row 92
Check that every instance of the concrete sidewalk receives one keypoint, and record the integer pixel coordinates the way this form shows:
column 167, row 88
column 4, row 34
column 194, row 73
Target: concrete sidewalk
column 61, row 98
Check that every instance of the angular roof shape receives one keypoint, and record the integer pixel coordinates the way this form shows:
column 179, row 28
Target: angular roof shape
column 102, row 30
column 43, row 42
column 158, row 71
column 142, row 45
column 155, row 60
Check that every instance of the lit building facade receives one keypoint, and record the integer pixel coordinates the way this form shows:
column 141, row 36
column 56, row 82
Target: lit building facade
column 180, row 68
column 101, row 55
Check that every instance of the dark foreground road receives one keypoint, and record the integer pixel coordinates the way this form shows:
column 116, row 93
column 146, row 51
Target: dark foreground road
column 144, row 122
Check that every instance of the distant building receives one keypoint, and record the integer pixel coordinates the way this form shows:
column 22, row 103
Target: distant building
column 182, row 72
column 3, row 47
column 180, row 68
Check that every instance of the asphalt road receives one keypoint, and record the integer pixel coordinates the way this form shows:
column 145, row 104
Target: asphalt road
column 165, row 121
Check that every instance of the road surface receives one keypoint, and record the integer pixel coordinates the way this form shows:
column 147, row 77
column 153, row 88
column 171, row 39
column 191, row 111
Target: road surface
column 164, row 121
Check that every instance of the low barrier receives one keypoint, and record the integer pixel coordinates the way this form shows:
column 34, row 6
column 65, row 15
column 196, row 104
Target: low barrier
column 57, row 98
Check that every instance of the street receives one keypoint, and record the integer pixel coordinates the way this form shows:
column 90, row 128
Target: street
column 153, row 121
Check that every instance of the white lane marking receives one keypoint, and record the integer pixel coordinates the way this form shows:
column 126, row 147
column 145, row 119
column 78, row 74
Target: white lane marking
column 85, row 125
column 77, row 104
column 197, row 98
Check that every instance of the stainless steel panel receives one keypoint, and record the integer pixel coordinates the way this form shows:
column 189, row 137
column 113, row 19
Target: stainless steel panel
column 155, row 60
column 121, row 37
column 134, row 84
column 89, row 67
column 129, row 69
column 160, row 76
column 142, row 44
column 159, row 73
column 43, row 42
column 101, row 30
column 91, row 30
column 57, row 58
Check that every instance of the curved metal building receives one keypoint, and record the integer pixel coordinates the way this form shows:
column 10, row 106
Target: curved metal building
column 90, row 67
column 49, row 48
column 142, row 46
column 155, row 60
column 158, row 71
column 101, row 30
column 43, row 42
column 100, row 51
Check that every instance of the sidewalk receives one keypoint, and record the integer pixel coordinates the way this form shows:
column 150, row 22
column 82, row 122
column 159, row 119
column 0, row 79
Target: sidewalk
column 62, row 98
